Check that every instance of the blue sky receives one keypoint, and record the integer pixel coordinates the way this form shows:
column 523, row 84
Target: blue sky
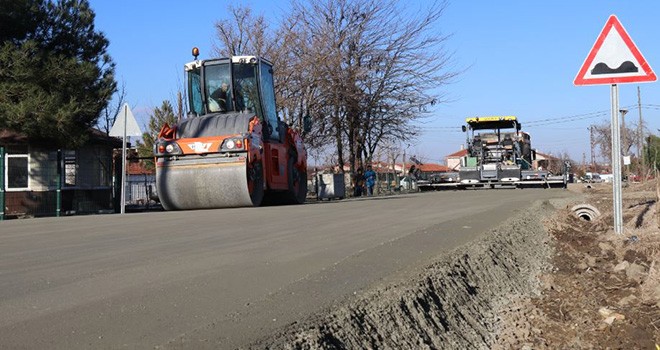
column 520, row 58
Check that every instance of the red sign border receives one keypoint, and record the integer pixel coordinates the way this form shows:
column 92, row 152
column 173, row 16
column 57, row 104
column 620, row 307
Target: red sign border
column 613, row 22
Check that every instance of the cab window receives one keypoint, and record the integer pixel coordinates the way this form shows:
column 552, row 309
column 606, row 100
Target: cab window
column 246, row 89
column 217, row 81
column 268, row 95
column 195, row 88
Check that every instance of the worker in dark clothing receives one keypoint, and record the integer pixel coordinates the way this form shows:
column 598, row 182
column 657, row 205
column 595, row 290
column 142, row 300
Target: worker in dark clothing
column 358, row 183
column 221, row 96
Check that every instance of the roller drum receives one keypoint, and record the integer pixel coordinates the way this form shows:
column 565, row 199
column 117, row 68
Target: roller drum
column 203, row 183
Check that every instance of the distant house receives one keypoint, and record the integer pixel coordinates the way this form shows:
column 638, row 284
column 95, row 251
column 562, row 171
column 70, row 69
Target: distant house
column 140, row 184
column 548, row 162
column 32, row 171
column 454, row 160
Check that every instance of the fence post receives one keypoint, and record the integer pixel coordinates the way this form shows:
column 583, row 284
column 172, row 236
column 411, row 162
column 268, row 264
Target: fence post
column 2, row 183
column 58, row 197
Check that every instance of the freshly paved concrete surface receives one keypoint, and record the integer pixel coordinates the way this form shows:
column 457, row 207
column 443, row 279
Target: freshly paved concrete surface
column 220, row 278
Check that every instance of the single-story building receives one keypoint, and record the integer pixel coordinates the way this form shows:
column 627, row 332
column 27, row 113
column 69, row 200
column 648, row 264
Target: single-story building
column 454, row 160
column 140, row 184
column 33, row 170
column 548, row 162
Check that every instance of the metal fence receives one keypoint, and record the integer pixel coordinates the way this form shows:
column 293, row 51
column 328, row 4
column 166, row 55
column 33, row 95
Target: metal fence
column 141, row 191
column 36, row 182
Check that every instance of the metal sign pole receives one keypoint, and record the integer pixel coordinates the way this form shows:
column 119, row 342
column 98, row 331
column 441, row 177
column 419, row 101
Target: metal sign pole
column 125, row 125
column 616, row 162
column 123, row 165
column 58, row 189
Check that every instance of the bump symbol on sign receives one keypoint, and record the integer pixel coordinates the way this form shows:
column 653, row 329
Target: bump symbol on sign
column 625, row 67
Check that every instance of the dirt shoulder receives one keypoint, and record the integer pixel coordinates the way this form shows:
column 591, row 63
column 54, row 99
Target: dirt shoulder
column 603, row 290
column 544, row 279
column 451, row 303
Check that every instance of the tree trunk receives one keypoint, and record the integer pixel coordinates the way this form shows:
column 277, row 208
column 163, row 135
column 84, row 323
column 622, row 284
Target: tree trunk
column 340, row 148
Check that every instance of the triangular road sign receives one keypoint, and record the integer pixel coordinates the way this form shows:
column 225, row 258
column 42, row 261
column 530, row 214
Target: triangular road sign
column 132, row 128
column 614, row 59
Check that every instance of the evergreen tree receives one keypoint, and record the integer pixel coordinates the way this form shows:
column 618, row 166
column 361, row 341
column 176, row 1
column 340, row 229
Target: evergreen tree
column 160, row 116
column 55, row 74
column 652, row 152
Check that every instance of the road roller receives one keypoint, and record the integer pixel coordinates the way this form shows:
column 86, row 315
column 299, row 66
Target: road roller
column 231, row 150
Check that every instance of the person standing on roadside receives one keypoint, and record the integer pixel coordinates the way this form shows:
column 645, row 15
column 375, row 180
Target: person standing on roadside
column 358, row 183
column 370, row 179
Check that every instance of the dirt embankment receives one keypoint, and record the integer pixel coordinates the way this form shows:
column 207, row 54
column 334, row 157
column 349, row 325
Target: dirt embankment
column 542, row 280
column 452, row 303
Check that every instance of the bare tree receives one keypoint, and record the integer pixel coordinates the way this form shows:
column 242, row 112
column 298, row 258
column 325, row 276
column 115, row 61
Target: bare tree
column 361, row 69
column 243, row 34
column 296, row 84
column 603, row 139
column 109, row 113
column 378, row 69
column 404, row 65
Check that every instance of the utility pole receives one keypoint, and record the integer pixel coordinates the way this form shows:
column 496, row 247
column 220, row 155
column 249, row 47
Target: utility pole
column 624, row 148
column 592, row 143
column 624, row 139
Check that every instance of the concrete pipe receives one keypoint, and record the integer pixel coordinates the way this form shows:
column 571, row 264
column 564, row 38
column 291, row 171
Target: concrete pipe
column 585, row 212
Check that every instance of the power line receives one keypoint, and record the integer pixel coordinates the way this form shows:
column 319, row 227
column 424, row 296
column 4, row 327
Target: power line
column 570, row 118
column 547, row 121
column 443, row 128
column 550, row 121
column 442, row 131
column 585, row 115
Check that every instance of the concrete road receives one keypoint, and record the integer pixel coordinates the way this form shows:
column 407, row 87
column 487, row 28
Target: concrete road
column 220, row 278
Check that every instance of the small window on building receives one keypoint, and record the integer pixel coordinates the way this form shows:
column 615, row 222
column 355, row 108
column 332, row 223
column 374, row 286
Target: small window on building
column 70, row 168
column 17, row 170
